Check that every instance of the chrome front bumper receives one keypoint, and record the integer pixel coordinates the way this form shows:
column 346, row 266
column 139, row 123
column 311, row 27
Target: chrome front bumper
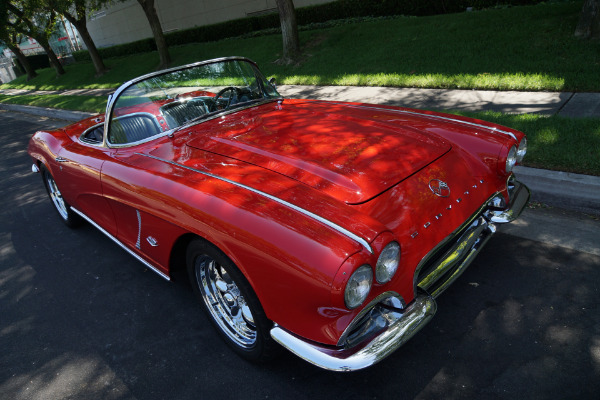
column 385, row 325
column 403, row 324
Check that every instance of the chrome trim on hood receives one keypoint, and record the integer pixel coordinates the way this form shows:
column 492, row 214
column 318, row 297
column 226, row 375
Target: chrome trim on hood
column 301, row 210
column 493, row 129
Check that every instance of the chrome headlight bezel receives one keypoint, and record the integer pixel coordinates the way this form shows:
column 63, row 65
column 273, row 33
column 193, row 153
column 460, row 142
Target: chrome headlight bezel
column 358, row 286
column 511, row 159
column 387, row 263
column 522, row 150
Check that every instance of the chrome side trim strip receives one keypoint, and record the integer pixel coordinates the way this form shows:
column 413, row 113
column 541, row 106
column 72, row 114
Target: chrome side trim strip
column 493, row 129
column 114, row 239
column 138, row 243
column 314, row 216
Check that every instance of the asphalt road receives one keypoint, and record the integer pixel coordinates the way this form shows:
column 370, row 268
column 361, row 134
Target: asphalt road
column 81, row 319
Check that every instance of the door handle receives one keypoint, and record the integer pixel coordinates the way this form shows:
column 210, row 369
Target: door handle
column 60, row 159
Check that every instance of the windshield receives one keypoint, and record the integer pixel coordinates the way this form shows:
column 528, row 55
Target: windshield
column 166, row 101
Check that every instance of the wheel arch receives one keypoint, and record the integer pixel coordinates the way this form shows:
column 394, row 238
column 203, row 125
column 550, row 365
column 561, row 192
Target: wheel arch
column 177, row 261
column 177, row 258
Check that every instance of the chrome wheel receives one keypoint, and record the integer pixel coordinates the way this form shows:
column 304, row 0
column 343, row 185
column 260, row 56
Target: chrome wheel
column 56, row 197
column 230, row 302
column 61, row 206
column 225, row 301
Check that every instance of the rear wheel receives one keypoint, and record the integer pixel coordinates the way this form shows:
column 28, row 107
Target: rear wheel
column 230, row 302
column 60, row 205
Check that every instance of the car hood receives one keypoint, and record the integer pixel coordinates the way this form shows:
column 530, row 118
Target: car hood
column 352, row 155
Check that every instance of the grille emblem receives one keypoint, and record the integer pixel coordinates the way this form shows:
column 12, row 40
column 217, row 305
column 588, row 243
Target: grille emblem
column 439, row 188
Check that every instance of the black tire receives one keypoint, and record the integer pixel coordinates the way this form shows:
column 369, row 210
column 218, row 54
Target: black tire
column 230, row 303
column 61, row 206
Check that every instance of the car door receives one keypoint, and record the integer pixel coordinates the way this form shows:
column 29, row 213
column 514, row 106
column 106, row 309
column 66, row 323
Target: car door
column 79, row 177
column 141, row 211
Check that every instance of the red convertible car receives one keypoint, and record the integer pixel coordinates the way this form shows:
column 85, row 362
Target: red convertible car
column 327, row 228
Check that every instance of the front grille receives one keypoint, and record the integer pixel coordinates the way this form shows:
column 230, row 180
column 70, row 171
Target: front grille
column 445, row 263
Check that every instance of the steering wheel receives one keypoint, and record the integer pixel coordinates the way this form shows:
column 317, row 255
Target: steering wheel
column 233, row 91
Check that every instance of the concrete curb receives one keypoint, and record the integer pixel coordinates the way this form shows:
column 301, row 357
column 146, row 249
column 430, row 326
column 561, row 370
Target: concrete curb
column 562, row 189
column 66, row 115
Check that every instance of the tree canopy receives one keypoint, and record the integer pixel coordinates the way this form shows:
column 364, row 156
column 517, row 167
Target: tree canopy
column 76, row 12
column 29, row 18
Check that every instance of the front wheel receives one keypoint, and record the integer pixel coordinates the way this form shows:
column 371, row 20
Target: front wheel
column 230, row 302
column 60, row 205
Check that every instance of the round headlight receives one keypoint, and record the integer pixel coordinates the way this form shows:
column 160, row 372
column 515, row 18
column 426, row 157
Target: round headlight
column 511, row 160
column 358, row 287
column 522, row 150
column 387, row 263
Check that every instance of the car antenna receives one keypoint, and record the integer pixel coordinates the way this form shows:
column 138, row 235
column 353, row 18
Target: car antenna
column 156, row 82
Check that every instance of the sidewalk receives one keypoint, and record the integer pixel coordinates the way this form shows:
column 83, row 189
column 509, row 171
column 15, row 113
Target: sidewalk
column 559, row 189
column 567, row 104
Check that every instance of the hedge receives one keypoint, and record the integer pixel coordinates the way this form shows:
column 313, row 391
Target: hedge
column 336, row 10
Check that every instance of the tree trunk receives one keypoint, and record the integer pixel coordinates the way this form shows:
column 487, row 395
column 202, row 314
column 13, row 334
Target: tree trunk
column 40, row 35
column 289, row 31
column 589, row 20
column 159, row 38
column 81, row 26
column 23, row 60
column 51, row 56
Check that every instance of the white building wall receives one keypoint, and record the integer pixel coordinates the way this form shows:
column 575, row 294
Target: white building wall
column 126, row 22
column 7, row 72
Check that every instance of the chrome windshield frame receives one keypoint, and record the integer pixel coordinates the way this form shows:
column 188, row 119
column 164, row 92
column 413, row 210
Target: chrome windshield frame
column 112, row 99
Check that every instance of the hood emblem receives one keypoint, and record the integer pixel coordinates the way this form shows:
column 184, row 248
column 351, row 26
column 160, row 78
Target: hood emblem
column 439, row 188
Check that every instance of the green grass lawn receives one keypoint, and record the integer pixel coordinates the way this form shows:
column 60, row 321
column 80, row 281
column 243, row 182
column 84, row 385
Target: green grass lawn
column 555, row 142
column 517, row 48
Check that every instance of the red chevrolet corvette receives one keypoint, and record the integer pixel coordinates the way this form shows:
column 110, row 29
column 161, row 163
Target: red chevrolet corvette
column 327, row 228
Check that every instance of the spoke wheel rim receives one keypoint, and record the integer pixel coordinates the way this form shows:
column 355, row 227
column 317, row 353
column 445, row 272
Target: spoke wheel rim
column 225, row 302
column 57, row 198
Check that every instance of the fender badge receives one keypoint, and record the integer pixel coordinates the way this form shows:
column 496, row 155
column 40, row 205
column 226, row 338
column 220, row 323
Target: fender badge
column 152, row 241
column 439, row 188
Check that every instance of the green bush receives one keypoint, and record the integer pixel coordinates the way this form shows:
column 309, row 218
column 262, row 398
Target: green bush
column 379, row 8
column 139, row 46
column 227, row 29
column 269, row 23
